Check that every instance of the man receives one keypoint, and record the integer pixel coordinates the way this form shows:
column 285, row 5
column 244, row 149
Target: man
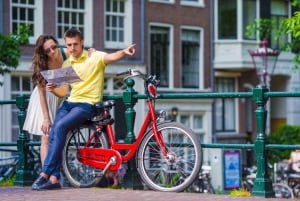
column 80, row 104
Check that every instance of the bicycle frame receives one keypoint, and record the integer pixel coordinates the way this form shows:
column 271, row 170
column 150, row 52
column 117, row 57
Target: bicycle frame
column 111, row 158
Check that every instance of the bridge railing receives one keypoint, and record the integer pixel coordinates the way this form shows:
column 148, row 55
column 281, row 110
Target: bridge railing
column 260, row 95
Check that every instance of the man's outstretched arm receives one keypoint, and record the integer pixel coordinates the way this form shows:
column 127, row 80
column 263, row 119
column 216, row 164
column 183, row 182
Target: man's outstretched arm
column 118, row 55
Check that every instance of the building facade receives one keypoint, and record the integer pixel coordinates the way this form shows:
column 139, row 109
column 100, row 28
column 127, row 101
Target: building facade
column 233, row 65
column 172, row 40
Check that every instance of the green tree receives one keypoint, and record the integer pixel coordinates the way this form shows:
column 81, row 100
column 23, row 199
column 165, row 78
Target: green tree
column 10, row 48
column 288, row 26
column 287, row 134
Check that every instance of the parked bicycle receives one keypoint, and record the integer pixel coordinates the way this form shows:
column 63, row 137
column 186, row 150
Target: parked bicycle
column 202, row 183
column 9, row 164
column 281, row 186
column 249, row 175
column 281, row 183
column 168, row 154
column 8, row 167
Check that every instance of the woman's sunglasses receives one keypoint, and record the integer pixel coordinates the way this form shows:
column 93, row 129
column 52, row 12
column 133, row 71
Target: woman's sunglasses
column 53, row 47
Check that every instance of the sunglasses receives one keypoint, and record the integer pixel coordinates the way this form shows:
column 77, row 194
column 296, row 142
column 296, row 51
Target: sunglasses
column 53, row 47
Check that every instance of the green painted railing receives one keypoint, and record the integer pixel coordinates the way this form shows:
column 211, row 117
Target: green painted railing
column 260, row 94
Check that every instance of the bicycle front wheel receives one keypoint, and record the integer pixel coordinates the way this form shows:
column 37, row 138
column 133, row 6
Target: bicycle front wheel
column 77, row 173
column 283, row 191
column 179, row 169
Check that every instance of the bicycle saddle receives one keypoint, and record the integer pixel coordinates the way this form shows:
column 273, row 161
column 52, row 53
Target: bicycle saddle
column 105, row 104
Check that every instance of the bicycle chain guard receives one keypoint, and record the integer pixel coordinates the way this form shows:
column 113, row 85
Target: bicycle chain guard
column 99, row 158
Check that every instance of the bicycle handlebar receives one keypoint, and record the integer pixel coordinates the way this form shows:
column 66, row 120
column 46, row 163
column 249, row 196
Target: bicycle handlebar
column 135, row 72
column 131, row 73
column 124, row 73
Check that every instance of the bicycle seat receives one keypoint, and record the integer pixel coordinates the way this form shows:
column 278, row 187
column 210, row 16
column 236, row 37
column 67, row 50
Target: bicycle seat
column 105, row 104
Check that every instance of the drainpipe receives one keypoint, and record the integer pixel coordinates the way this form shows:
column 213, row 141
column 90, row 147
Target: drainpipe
column 1, row 16
column 212, row 75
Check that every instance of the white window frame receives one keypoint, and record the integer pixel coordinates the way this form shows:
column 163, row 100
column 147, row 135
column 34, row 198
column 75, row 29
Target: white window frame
column 234, row 76
column 195, row 3
column 163, row 1
column 200, row 132
column 14, row 109
column 201, row 51
column 87, row 25
column 37, row 21
column 127, row 29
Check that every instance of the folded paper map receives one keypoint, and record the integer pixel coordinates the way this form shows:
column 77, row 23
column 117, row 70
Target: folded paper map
column 61, row 76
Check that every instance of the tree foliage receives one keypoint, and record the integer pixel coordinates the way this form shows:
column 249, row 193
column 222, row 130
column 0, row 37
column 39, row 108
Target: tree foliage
column 10, row 48
column 286, row 135
column 288, row 26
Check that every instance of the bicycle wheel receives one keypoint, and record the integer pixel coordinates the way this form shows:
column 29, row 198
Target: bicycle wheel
column 176, row 173
column 296, row 190
column 77, row 173
column 283, row 191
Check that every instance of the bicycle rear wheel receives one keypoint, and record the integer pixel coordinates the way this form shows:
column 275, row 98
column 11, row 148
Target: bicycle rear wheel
column 181, row 168
column 77, row 173
column 283, row 191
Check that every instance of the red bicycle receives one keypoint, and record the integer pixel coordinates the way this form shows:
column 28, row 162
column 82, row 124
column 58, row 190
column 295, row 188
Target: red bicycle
column 168, row 154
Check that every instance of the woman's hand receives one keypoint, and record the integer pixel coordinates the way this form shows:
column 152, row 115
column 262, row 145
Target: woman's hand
column 46, row 126
column 91, row 51
column 50, row 86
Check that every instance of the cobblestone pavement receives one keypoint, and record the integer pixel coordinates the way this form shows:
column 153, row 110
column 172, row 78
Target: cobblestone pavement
column 105, row 194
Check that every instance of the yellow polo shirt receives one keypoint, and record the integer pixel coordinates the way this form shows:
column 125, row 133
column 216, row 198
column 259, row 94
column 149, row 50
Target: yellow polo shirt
column 91, row 72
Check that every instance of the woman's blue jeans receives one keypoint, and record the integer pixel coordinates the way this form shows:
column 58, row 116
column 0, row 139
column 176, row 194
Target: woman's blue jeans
column 69, row 116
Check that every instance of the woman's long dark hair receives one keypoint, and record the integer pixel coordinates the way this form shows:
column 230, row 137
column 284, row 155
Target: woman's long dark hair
column 40, row 59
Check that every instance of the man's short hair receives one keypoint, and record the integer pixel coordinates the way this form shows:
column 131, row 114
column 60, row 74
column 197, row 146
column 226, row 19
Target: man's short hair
column 73, row 32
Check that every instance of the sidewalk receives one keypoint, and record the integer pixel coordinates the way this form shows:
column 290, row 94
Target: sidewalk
column 104, row 194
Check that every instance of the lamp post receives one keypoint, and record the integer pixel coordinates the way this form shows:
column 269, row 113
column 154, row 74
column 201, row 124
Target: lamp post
column 264, row 60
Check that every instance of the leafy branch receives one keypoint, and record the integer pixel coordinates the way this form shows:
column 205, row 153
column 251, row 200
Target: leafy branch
column 10, row 46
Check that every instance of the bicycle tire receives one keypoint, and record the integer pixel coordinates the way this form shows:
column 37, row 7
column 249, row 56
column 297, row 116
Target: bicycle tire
column 283, row 191
column 170, row 176
column 77, row 173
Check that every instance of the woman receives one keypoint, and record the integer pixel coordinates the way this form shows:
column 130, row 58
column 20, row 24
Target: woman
column 44, row 104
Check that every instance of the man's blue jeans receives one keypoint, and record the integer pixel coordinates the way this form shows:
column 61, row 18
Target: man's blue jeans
column 69, row 116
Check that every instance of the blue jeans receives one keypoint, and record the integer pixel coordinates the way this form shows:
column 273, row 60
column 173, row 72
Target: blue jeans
column 69, row 116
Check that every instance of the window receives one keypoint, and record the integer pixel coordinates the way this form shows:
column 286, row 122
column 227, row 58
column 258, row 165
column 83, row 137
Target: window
column 279, row 11
column 249, row 15
column 118, row 23
column 75, row 14
column 190, row 41
column 160, row 53
column 225, row 107
column 163, row 1
column 26, row 12
column 192, row 3
column 19, row 85
column 195, row 122
column 227, row 19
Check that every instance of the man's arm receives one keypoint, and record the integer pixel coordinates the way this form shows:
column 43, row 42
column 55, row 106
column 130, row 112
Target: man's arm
column 118, row 55
column 60, row 91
